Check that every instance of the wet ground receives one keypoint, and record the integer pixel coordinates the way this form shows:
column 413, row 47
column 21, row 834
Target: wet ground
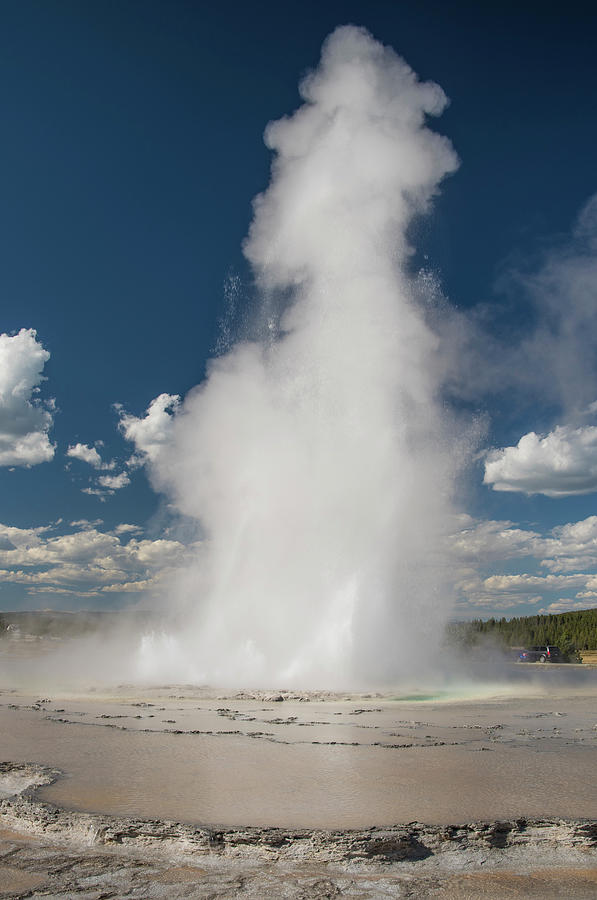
column 519, row 750
column 312, row 760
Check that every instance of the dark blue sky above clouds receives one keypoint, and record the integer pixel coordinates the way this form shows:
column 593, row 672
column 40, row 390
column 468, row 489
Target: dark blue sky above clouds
column 132, row 149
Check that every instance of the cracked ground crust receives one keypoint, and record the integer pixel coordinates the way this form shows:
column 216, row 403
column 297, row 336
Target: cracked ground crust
column 71, row 855
column 39, row 870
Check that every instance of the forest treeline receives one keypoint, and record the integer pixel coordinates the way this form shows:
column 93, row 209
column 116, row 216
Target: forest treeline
column 572, row 632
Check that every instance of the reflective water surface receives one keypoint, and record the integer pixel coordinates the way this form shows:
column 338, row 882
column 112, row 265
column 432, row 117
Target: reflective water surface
column 254, row 759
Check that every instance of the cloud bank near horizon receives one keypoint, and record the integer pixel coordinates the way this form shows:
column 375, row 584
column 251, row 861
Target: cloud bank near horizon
column 559, row 566
column 86, row 563
column 89, row 565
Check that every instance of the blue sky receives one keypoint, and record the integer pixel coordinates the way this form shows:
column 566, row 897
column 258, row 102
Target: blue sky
column 132, row 149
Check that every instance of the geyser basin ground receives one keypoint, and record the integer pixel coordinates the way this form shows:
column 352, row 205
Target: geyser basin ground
column 315, row 760
column 498, row 793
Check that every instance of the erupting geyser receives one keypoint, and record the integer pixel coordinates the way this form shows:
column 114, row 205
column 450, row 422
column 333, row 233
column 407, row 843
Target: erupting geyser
column 318, row 459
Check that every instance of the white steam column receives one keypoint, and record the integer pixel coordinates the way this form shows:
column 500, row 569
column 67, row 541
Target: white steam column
column 318, row 461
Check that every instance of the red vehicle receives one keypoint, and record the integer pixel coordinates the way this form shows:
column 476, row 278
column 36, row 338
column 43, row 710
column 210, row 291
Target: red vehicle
column 546, row 653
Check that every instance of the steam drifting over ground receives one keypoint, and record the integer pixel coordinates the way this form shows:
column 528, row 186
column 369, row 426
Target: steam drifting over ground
column 318, row 459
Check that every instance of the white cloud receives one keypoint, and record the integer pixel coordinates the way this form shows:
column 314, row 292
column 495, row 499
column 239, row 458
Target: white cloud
column 492, row 540
column 566, row 563
column 86, row 523
column 89, row 455
column 25, row 420
column 85, row 562
column 61, row 592
column 500, row 592
column 156, row 553
column 523, row 582
column 151, row 433
column 490, row 604
column 571, row 547
column 97, row 492
column 560, row 464
column 565, row 605
column 568, row 553
column 105, row 486
column 85, row 454
column 134, row 587
column 114, row 482
column 21, row 538
column 127, row 529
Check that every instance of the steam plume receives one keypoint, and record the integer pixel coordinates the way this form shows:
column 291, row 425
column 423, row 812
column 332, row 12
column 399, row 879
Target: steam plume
column 316, row 459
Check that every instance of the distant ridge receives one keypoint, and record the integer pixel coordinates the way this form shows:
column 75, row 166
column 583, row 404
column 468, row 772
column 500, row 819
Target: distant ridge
column 74, row 623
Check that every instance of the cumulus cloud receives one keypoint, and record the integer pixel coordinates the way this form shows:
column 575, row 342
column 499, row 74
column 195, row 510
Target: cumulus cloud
column 125, row 528
column 571, row 547
column 114, row 482
column 25, row 420
column 524, row 581
column 566, row 605
column 85, row 454
column 564, row 560
column 96, row 492
column 86, row 523
column 89, row 455
column 152, row 432
column 101, row 486
column 13, row 538
column 485, row 604
column 134, row 587
column 85, row 562
column 491, row 540
column 106, row 486
column 501, row 592
column 559, row 464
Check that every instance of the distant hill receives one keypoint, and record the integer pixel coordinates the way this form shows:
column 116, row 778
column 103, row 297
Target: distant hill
column 570, row 631
column 59, row 623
